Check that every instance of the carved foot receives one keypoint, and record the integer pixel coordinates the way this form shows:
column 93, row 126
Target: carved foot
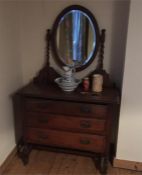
column 103, row 165
column 96, row 160
column 23, row 151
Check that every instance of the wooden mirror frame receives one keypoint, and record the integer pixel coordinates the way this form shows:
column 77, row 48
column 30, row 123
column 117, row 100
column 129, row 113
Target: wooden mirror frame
column 47, row 74
column 54, row 34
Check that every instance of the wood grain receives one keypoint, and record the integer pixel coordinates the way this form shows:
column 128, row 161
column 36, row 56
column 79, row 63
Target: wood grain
column 88, row 142
column 66, row 108
column 67, row 123
column 44, row 162
column 133, row 165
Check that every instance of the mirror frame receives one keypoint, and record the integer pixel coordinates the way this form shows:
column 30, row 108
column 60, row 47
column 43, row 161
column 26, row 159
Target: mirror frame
column 54, row 34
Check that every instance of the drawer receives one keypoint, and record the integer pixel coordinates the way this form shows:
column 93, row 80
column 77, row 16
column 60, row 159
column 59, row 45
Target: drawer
column 75, row 124
column 78, row 141
column 69, row 108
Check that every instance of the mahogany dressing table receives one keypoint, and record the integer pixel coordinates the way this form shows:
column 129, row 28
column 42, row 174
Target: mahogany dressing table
column 74, row 122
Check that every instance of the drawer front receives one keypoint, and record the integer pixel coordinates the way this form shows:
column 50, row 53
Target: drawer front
column 86, row 142
column 68, row 123
column 69, row 108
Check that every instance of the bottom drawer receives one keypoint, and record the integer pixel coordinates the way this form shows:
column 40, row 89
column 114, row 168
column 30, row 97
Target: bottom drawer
column 79, row 141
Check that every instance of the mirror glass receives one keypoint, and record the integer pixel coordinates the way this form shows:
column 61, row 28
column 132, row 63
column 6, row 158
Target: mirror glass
column 76, row 38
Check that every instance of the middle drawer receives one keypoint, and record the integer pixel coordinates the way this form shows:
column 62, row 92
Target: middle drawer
column 68, row 123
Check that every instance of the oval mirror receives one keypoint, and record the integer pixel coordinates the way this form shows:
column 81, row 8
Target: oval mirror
column 75, row 36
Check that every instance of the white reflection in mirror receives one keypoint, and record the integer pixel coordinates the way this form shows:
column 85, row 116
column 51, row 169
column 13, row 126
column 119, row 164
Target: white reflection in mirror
column 76, row 38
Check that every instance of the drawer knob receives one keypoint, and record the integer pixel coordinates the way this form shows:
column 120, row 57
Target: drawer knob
column 43, row 120
column 85, row 109
column 85, row 141
column 42, row 136
column 42, row 106
column 85, row 124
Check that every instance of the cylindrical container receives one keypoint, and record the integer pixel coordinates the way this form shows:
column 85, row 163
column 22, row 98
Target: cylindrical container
column 86, row 84
column 97, row 83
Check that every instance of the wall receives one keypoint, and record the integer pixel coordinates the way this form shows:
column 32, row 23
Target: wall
column 130, row 125
column 10, row 74
column 38, row 16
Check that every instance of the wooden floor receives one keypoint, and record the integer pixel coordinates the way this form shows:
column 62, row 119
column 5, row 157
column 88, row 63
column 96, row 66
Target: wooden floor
column 51, row 163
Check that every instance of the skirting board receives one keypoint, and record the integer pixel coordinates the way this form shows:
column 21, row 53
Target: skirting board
column 8, row 161
column 126, row 164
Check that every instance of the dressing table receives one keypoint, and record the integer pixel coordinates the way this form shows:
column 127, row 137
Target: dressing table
column 74, row 122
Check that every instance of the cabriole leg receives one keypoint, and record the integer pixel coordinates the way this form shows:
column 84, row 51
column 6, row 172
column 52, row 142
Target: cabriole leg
column 103, row 165
column 23, row 151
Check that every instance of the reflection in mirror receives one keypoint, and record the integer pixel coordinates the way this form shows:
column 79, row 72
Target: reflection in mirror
column 76, row 38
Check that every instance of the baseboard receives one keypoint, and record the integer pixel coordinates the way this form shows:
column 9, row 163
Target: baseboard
column 8, row 160
column 126, row 164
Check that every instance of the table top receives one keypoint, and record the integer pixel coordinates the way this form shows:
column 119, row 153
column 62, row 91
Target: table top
column 53, row 92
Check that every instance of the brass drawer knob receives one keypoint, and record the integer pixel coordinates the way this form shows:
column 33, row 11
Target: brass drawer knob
column 85, row 141
column 85, row 124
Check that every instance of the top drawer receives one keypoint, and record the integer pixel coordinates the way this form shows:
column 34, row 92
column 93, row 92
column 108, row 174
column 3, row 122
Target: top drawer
column 67, row 108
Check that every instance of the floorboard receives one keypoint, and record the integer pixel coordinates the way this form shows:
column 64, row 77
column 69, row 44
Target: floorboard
column 51, row 163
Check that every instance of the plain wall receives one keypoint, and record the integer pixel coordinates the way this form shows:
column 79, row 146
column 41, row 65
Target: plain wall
column 130, row 125
column 38, row 16
column 10, row 74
